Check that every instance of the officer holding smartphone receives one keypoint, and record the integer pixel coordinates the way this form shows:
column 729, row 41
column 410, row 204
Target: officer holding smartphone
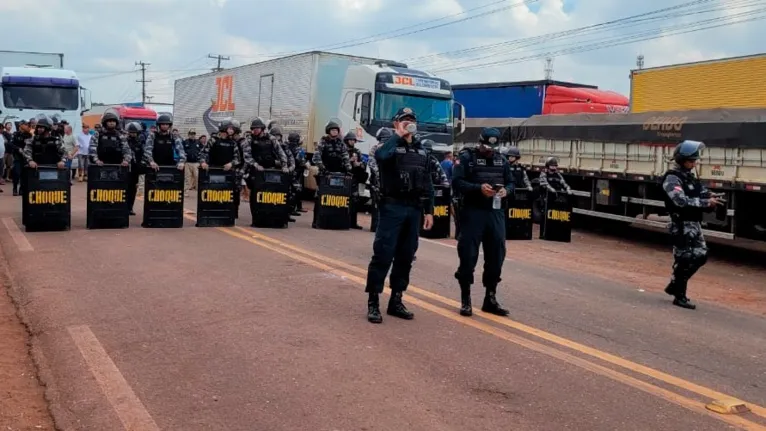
column 483, row 177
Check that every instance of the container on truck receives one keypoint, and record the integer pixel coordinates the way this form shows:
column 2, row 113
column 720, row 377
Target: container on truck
column 31, row 91
column 735, row 82
column 303, row 92
column 487, row 103
column 614, row 163
column 53, row 60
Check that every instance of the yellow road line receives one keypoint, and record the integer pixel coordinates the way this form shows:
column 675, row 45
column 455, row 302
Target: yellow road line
column 604, row 356
column 680, row 400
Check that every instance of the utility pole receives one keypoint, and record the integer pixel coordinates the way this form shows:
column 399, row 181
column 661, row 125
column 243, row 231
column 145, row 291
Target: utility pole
column 548, row 68
column 640, row 61
column 219, row 58
column 143, row 80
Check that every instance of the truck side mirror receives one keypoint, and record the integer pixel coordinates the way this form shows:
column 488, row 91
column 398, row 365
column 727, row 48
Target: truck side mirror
column 85, row 102
column 364, row 118
column 459, row 118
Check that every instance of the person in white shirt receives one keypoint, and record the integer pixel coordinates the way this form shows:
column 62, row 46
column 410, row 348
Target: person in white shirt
column 83, row 149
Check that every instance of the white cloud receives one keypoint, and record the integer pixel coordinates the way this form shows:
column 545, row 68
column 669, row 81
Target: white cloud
column 176, row 36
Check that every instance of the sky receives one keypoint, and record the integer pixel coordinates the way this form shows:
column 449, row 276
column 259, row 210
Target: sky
column 463, row 41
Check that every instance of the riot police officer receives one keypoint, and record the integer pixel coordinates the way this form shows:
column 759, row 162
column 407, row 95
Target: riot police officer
column 438, row 177
column 551, row 179
column 276, row 131
column 359, row 175
column 43, row 148
column 110, row 146
column 294, row 143
column 222, row 152
column 330, row 155
column 262, row 151
column 383, row 135
column 161, row 148
column 136, row 144
column 520, row 177
column 241, row 140
column 686, row 199
column 16, row 148
column 407, row 194
column 484, row 178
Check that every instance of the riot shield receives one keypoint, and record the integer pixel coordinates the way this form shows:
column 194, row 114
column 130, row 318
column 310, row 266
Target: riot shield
column 163, row 198
column 557, row 218
column 47, row 202
column 107, row 206
column 442, row 220
column 518, row 216
column 216, row 204
column 269, row 193
column 333, row 201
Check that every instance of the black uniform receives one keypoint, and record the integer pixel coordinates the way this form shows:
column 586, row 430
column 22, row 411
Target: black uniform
column 136, row 144
column 330, row 155
column 17, row 143
column 296, row 152
column 481, row 223
column 359, row 175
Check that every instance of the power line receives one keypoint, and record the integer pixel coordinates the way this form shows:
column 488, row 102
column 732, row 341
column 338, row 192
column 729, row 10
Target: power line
column 143, row 80
column 219, row 58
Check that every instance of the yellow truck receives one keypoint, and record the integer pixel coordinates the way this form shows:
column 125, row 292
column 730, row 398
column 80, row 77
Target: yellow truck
column 736, row 82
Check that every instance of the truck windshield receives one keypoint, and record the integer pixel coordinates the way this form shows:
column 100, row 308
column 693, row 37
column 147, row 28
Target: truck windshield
column 35, row 97
column 427, row 109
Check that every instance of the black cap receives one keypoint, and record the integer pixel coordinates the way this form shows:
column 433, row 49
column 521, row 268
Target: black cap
column 403, row 113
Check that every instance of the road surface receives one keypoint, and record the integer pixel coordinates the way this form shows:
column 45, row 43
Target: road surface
column 258, row 329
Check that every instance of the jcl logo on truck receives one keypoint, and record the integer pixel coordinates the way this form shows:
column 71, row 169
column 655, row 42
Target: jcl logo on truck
column 165, row 196
column 271, row 198
column 334, row 201
column 43, row 197
column 224, row 101
column 218, row 196
column 107, row 196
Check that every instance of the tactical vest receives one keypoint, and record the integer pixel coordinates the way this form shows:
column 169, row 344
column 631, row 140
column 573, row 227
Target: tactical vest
column 109, row 148
column 407, row 178
column 692, row 187
column 518, row 175
column 45, row 150
column 163, row 150
column 332, row 155
column 137, row 146
column 484, row 170
column 263, row 152
column 222, row 152
column 554, row 179
column 192, row 152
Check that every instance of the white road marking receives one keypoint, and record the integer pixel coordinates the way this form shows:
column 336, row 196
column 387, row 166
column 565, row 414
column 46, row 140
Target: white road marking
column 18, row 237
column 117, row 391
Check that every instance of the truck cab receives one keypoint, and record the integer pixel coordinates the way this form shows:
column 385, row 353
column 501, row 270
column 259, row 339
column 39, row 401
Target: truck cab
column 30, row 91
column 128, row 114
column 372, row 93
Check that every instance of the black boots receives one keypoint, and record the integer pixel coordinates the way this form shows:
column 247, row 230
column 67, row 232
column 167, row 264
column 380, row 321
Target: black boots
column 396, row 307
column 465, row 301
column 373, row 309
column 678, row 290
column 491, row 305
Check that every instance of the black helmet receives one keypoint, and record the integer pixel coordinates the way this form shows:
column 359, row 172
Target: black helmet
column 56, row 119
column 688, row 150
column 331, row 125
column 165, row 119
column 133, row 126
column 271, row 124
column 552, row 161
column 275, row 130
column 294, row 138
column 349, row 136
column 237, row 126
column 384, row 134
column 487, row 135
column 257, row 124
column 109, row 116
column 224, row 125
column 42, row 120
column 513, row 152
column 427, row 144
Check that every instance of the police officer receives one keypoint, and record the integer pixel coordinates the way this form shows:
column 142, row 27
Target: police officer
column 686, row 199
column 551, row 179
column 383, row 135
column 136, row 144
column 330, row 155
column 276, row 131
column 44, row 148
column 359, row 175
column 222, row 152
column 294, row 144
column 437, row 173
column 241, row 140
column 57, row 129
column 191, row 170
column 520, row 176
column 262, row 151
column 110, row 146
column 161, row 148
column 18, row 142
column 483, row 177
column 407, row 194
column 457, row 199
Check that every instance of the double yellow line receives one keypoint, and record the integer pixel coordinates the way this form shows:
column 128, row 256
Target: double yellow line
column 448, row 309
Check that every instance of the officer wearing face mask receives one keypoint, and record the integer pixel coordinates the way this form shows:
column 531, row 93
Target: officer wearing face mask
column 110, row 146
column 359, row 175
column 483, row 178
column 161, row 148
column 552, row 180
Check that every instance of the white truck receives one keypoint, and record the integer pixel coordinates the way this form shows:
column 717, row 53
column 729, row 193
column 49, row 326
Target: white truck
column 30, row 91
column 303, row 92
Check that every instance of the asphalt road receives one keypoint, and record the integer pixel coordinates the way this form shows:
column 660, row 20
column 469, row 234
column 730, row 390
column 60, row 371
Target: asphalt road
column 257, row 329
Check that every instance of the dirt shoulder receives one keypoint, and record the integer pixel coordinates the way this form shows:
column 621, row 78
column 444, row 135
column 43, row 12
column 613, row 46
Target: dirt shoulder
column 22, row 402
